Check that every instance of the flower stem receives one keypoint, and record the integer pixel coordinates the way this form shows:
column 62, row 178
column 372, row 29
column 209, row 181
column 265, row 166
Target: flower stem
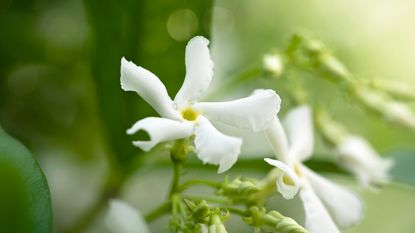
column 191, row 183
column 159, row 211
column 177, row 168
column 242, row 213
column 208, row 198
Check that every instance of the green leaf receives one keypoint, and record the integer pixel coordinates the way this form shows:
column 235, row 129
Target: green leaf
column 403, row 170
column 25, row 205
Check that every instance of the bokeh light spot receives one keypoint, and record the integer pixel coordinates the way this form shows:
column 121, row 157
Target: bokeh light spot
column 182, row 24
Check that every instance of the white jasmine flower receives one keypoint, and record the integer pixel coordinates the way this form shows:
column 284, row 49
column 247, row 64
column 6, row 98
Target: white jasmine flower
column 122, row 218
column 326, row 204
column 185, row 116
column 358, row 156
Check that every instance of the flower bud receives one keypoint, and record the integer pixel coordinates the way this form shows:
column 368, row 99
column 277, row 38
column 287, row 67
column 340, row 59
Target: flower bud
column 273, row 221
column 240, row 187
column 216, row 225
column 380, row 103
column 180, row 150
column 400, row 113
column 201, row 211
column 273, row 65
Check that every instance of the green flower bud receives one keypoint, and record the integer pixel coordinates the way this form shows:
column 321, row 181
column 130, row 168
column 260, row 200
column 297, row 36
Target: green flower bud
column 180, row 150
column 216, row 225
column 285, row 224
column 273, row 221
column 240, row 187
column 394, row 111
column 201, row 212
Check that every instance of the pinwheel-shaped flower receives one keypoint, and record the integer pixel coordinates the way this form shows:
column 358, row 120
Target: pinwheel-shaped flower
column 185, row 116
column 326, row 204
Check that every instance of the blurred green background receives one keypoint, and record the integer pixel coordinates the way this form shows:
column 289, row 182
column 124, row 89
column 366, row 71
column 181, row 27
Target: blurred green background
column 60, row 94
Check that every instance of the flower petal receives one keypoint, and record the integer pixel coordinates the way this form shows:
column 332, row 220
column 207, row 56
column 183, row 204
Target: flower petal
column 213, row 147
column 149, row 87
column 287, row 190
column 122, row 218
column 345, row 207
column 298, row 124
column 254, row 112
column 278, row 141
column 199, row 72
column 358, row 156
column 254, row 144
column 160, row 130
column 317, row 217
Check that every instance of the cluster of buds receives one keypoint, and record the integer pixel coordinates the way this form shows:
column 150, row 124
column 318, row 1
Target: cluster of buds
column 312, row 55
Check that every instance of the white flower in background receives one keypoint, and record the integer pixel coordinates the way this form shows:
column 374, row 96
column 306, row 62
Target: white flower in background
column 326, row 204
column 122, row 218
column 185, row 116
column 358, row 156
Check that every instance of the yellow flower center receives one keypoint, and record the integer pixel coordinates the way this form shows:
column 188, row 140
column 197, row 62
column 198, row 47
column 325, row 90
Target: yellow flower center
column 189, row 114
column 287, row 180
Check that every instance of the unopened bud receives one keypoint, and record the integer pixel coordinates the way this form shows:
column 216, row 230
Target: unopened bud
column 201, row 211
column 273, row 221
column 400, row 113
column 394, row 111
column 333, row 67
column 240, row 187
column 273, row 65
column 180, row 150
column 216, row 225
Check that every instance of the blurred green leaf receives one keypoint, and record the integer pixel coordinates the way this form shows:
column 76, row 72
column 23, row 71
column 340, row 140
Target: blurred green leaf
column 25, row 205
column 404, row 171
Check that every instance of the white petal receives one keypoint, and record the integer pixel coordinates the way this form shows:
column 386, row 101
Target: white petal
column 288, row 191
column 317, row 217
column 278, row 141
column 254, row 112
column 149, row 87
column 122, row 218
column 213, row 147
column 345, row 207
column 199, row 72
column 255, row 144
column 358, row 156
column 160, row 130
column 299, row 127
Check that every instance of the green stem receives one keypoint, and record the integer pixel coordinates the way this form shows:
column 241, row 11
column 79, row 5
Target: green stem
column 191, row 183
column 177, row 168
column 159, row 211
column 242, row 213
column 209, row 199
